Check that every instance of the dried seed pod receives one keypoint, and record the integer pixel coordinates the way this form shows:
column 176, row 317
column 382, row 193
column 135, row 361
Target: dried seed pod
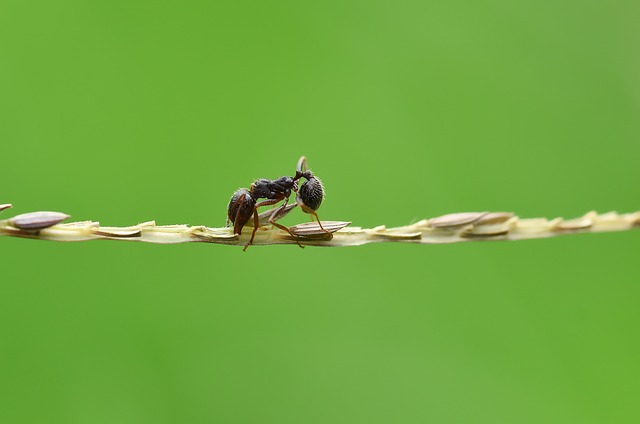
column 398, row 236
column 309, row 229
column 5, row 206
column 494, row 218
column 123, row 233
column 37, row 220
column 575, row 224
column 456, row 219
column 493, row 230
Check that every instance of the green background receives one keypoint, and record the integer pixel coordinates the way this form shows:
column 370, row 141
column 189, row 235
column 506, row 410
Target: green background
column 125, row 111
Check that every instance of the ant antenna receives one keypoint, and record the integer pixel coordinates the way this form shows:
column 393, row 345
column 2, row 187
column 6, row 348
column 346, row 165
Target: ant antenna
column 302, row 164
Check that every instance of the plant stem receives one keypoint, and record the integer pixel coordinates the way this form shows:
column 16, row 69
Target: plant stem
column 454, row 228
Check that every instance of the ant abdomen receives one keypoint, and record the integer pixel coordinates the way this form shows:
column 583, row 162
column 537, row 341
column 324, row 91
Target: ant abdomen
column 311, row 194
column 241, row 207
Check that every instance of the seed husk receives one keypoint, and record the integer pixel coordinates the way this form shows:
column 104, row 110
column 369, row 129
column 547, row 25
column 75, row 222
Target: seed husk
column 456, row 219
column 313, row 229
column 37, row 220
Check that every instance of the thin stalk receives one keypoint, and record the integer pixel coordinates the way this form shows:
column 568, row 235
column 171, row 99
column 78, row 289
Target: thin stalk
column 453, row 228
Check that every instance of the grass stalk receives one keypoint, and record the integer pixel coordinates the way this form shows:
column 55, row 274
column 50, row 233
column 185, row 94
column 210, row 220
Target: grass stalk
column 452, row 228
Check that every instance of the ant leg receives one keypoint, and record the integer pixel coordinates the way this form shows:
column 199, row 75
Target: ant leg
column 237, row 222
column 274, row 216
column 311, row 212
column 255, row 228
column 256, row 220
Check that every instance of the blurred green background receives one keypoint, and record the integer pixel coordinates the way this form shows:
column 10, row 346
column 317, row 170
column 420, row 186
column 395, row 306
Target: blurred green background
column 126, row 111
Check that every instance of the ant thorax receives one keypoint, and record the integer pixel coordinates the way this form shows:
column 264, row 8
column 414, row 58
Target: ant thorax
column 270, row 189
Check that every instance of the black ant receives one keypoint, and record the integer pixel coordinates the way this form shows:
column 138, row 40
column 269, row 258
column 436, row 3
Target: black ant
column 244, row 203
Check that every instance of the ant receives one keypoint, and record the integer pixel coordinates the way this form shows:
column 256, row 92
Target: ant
column 244, row 203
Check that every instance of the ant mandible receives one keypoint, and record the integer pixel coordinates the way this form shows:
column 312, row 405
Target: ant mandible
column 244, row 203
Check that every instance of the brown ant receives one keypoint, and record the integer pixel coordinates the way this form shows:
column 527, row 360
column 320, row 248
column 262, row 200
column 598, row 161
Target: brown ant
column 244, row 203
